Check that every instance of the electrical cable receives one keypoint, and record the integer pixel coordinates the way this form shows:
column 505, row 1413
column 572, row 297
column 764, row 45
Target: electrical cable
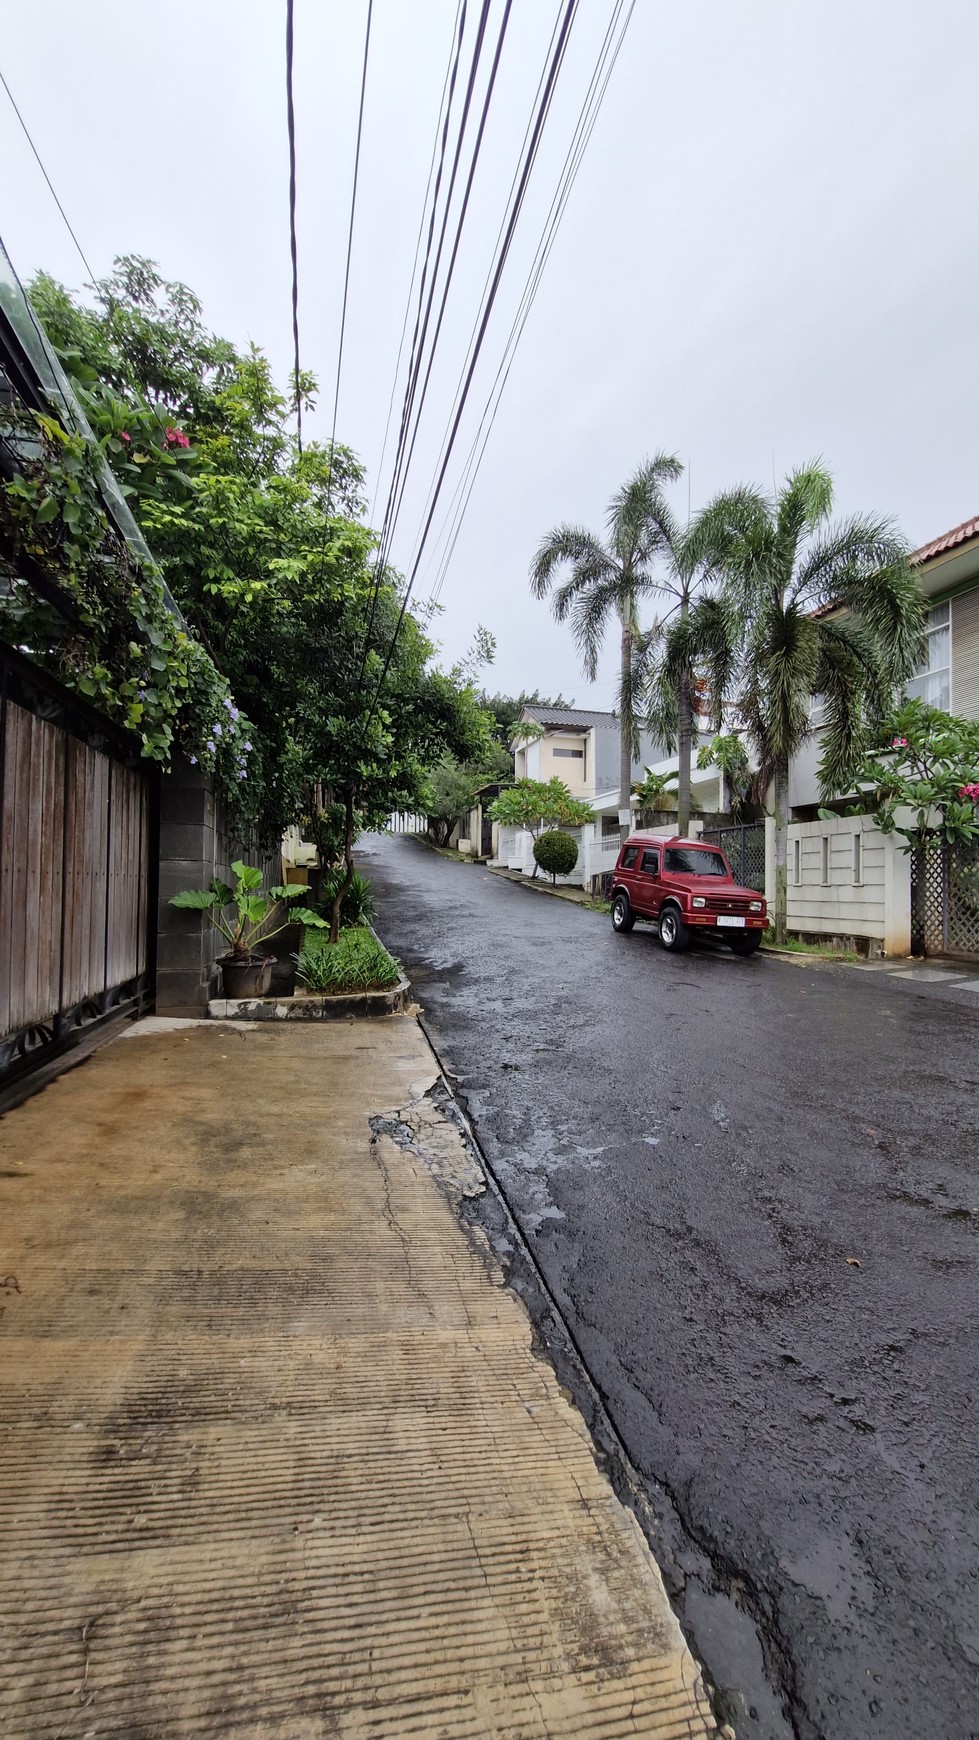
column 588, row 116
column 54, row 196
column 530, row 157
column 291, row 129
column 350, row 243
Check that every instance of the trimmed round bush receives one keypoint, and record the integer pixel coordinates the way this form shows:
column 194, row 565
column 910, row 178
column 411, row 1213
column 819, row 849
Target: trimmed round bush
column 556, row 853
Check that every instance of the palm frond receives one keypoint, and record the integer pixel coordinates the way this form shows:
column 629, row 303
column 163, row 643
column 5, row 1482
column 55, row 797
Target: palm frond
column 804, row 501
column 588, row 610
column 572, row 545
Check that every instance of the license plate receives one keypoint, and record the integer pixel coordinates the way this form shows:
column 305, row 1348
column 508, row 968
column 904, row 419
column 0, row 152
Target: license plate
column 734, row 923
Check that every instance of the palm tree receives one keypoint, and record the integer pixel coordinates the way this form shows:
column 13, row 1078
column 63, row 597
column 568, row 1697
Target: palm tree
column 821, row 610
column 608, row 579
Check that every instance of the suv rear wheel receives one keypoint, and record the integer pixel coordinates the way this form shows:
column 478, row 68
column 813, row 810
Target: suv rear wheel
column 622, row 915
column 673, row 933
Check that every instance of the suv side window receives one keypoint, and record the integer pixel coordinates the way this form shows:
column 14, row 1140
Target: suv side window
column 629, row 857
column 650, row 863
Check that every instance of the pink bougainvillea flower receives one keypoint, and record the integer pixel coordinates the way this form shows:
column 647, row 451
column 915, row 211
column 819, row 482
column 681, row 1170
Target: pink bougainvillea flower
column 175, row 437
column 900, row 743
column 123, row 436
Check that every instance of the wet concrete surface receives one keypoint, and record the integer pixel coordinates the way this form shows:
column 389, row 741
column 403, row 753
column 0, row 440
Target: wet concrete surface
column 753, row 1191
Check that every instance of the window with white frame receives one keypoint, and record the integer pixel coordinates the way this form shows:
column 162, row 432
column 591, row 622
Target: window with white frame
column 933, row 681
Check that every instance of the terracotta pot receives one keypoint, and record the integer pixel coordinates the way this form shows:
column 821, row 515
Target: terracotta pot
column 247, row 975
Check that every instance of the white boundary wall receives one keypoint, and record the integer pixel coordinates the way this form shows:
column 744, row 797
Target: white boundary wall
column 840, row 888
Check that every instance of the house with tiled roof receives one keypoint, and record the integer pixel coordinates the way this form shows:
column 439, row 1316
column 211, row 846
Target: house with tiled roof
column 581, row 748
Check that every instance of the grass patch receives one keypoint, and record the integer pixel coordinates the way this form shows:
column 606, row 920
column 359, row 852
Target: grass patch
column 822, row 951
column 358, row 962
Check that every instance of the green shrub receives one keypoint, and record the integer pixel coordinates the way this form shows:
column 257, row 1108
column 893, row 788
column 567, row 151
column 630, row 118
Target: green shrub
column 358, row 962
column 358, row 902
column 556, row 853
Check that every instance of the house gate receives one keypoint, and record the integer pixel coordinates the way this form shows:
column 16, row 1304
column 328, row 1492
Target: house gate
column 76, row 825
column 744, row 848
column 945, row 900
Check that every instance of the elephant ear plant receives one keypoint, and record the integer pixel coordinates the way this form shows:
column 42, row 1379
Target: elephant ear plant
column 243, row 914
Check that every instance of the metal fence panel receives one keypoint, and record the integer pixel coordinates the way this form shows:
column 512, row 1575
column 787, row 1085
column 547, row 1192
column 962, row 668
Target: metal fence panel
column 744, row 848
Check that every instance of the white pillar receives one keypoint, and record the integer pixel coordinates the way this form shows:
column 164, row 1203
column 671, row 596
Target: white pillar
column 897, row 897
column 770, row 860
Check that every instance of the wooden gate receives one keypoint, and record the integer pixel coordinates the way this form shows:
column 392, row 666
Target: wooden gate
column 76, row 815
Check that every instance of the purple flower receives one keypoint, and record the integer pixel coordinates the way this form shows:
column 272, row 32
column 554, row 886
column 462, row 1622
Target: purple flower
column 242, row 775
column 193, row 760
column 229, row 703
column 215, row 730
column 210, row 746
column 235, row 714
column 247, row 748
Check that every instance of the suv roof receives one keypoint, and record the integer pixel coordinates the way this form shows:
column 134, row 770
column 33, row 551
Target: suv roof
column 670, row 840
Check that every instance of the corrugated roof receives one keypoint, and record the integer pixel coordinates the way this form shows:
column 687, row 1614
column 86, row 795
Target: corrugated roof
column 948, row 541
column 576, row 718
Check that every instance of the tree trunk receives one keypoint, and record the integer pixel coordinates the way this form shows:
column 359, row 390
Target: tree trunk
column 684, row 743
column 348, row 861
column 781, row 851
column 625, row 715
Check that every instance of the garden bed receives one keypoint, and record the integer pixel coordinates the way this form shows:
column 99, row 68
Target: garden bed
column 355, row 976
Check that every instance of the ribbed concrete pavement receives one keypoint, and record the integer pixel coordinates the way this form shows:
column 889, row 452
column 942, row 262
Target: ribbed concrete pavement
column 277, row 1456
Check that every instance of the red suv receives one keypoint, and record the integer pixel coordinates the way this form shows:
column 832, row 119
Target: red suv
column 684, row 887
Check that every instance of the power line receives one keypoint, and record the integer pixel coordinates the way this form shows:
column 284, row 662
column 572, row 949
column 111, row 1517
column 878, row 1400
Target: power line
column 54, row 196
column 594, row 97
column 350, row 242
column 543, row 108
column 291, row 129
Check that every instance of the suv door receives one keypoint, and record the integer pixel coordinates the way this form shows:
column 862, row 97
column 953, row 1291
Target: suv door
column 645, row 883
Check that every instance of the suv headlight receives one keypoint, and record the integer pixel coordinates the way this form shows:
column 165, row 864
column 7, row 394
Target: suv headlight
column 756, row 906
column 698, row 900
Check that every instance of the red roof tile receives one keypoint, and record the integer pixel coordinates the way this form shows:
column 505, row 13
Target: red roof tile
column 948, row 541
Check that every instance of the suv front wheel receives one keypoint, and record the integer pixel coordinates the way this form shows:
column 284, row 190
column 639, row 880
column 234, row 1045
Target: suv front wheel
column 622, row 917
column 673, row 933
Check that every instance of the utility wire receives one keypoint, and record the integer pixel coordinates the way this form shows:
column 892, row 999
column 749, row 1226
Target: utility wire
column 350, row 243
column 291, row 128
column 530, row 156
column 460, row 10
column 588, row 116
column 54, row 196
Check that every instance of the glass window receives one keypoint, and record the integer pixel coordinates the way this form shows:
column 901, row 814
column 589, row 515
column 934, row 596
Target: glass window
column 569, row 754
column 629, row 857
column 694, row 861
column 650, row 863
column 932, row 684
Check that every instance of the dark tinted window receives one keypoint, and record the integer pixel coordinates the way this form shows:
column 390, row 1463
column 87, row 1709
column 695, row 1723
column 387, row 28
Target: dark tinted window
column 650, row 863
column 689, row 861
column 629, row 857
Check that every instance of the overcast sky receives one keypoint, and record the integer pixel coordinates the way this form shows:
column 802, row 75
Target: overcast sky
column 770, row 253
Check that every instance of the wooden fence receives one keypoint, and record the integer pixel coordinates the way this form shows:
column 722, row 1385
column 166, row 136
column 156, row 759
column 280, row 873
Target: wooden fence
column 75, row 870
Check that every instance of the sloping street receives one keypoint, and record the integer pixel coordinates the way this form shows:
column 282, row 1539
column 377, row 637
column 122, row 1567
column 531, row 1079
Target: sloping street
column 751, row 1187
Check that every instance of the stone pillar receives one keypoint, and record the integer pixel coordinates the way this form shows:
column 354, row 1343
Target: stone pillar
column 186, row 945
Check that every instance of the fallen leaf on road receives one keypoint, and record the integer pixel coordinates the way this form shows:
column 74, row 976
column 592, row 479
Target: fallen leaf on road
column 854, row 1262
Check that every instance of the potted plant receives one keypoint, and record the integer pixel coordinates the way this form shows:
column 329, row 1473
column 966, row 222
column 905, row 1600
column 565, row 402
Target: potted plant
column 242, row 914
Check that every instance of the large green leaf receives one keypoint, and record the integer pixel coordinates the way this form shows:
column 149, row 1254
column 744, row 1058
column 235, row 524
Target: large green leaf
column 248, row 876
column 196, row 899
column 306, row 915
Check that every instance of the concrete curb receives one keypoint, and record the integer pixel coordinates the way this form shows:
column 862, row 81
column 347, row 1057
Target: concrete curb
column 311, row 1006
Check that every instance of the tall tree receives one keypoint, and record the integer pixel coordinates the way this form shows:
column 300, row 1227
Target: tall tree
column 607, row 580
column 821, row 610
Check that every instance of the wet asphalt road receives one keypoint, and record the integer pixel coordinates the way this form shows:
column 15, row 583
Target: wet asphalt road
column 694, row 1146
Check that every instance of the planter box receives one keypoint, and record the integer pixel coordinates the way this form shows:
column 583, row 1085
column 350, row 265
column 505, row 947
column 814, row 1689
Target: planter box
column 312, row 1005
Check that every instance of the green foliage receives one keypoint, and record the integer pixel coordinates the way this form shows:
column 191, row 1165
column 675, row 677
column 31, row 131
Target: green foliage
column 450, row 790
column 923, row 772
column 506, row 710
column 537, row 804
column 728, row 752
column 356, row 962
column 556, row 853
column 654, row 794
column 265, row 552
column 243, row 914
column 356, row 899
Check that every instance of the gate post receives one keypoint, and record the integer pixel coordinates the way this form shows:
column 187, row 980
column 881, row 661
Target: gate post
column 897, row 898
column 770, row 860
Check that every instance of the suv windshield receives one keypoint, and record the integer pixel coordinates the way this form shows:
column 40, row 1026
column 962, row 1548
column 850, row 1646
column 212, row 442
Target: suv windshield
column 692, row 861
